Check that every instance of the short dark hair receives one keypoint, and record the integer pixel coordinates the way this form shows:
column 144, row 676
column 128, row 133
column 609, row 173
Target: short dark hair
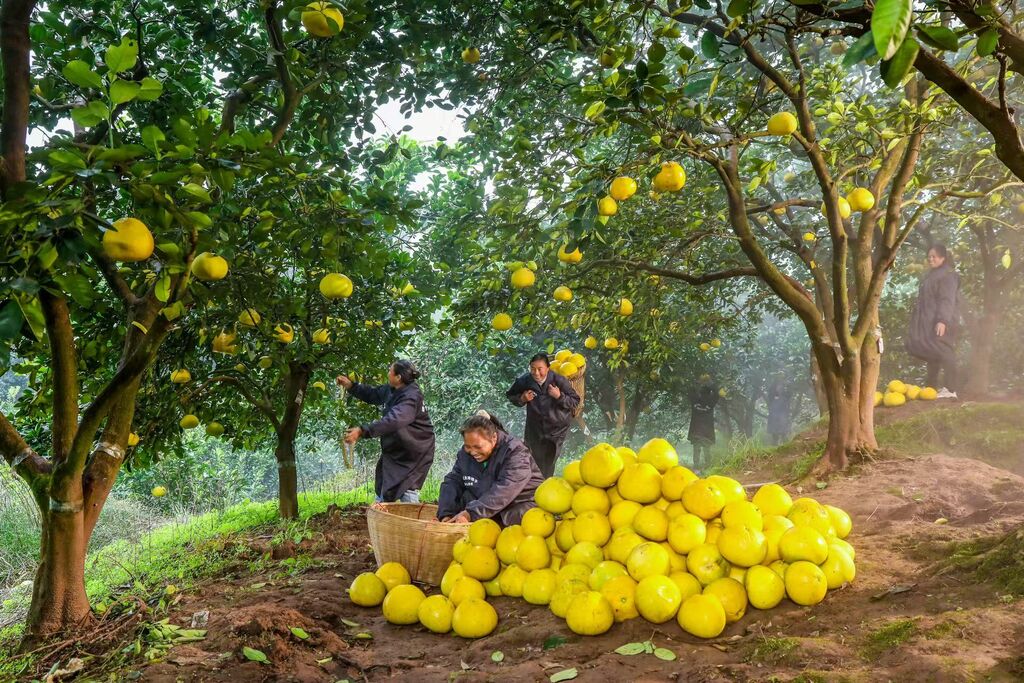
column 541, row 356
column 939, row 249
column 482, row 421
column 405, row 370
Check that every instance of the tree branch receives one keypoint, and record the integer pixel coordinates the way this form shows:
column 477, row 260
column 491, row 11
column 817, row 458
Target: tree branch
column 64, row 368
column 701, row 279
column 31, row 466
column 15, row 49
column 291, row 94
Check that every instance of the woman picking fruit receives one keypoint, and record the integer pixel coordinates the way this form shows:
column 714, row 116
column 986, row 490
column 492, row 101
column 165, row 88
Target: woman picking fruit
column 550, row 401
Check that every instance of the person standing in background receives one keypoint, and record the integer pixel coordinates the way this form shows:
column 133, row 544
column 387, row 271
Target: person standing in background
column 934, row 324
column 702, row 421
column 550, row 401
column 778, row 398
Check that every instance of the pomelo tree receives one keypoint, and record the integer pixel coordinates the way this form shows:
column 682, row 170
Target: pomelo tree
column 174, row 114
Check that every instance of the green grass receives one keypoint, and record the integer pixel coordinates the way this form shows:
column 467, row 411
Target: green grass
column 773, row 651
column 888, row 637
column 995, row 559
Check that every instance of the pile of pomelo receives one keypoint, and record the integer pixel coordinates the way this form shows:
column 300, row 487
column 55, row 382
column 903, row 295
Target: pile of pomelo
column 623, row 535
column 897, row 393
column 567, row 363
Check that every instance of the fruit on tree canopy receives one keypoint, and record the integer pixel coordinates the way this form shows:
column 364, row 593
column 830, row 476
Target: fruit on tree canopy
column 502, row 322
column 844, row 208
column 189, row 422
column 336, row 286
column 133, row 439
column 321, row 336
column 471, row 55
column 563, row 293
column 322, row 19
column 590, row 342
column 671, row 177
column 128, row 241
column 523, row 278
column 214, row 429
column 625, row 307
column 783, row 123
column 209, row 267
column 574, row 256
column 861, row 199
column 181, row 376
column 159, row 491
column 622, row 188
column 284, row 333
column 250, row 317
column 606, row 206
column 265, row 362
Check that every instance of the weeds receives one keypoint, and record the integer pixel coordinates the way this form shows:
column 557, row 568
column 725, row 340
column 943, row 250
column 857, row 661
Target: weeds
column 773, row 651
column 888, row 637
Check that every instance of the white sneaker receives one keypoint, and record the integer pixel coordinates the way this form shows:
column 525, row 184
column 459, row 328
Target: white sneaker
column 946, row 393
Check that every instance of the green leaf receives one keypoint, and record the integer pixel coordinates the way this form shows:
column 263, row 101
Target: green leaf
column 709, row 45
column 149, row 89
column 350, row 623
column 939, row 37
column 987, row 42
column 122, row 57
column 65, row 157
column 11, row 320
column 564, row 675
column 200, row 219
column 163, row 288
column 665, row 654
column 497, row 656
column 79, row 73
column 551, row 642
column 863, row 48
column 152, row 137
column 32, row 310
column 255, row 655
column 656, row 52
column 630, row 649
column 91, row 114
column 737, row 8
column 595, row 109
column 299, row 633
column 174, row 311
column 123, row 91
column 895, row 69
column 890, row 21
column 197, row 191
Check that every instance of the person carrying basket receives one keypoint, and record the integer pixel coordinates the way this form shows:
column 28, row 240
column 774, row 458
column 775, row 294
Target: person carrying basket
column 550, row 402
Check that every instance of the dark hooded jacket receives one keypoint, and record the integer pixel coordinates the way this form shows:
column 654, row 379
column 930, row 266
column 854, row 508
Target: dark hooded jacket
column 779, row 408
column 406, row 437
column 936, row 303
column 702, row 413
column 501, row 487
column 546, row 417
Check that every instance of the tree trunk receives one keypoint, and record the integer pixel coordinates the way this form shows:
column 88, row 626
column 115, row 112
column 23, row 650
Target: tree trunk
column 846, row 384
column 287, row 475
column 58, row 594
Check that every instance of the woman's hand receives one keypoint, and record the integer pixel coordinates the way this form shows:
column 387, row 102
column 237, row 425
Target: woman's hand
column 461, row 518
column 554, row 392
column 940, row 329
column 353, row 435
column 344, row 381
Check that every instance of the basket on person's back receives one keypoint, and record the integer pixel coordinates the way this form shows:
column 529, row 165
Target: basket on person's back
column 572, row 366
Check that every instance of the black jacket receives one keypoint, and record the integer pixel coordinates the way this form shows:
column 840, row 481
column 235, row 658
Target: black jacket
column 546, row 417
column 501, row 487
column 936, row 303
column 406, row 437
column 702, row 413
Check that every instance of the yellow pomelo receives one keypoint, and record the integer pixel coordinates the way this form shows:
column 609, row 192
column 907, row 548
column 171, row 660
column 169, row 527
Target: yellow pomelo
column 571, row 474
column 563, row 535
column 511, row 581
column 484, row 532
column 336, row 286
column 805, row 583
column 648, row 559
column 651, row 523
column 707, row 564
column 574, row 256
column 250, row 317
column 659, row 453
column 585, row 553
column 742, row 513
column 367, row 590
column 562, row 293
column 565, row 591
column 658, row 598
column 611, row 343
column 879, row 397
column 181, row 376
column 523, row 278
column 927, row 394
column 783, row 123
column 732, row 595
column 460, row 549
column 508, row 543
column 622, row 513
column 687, row 582
column 913, row 392
column 590, row 499
column 322, row 19
column 474, row 619
column 471, row 55
column 861, row 199
column 128, row 241
column 622, row 544
column 731, row 489
column 481, row 563
column 402, row 604
column 436, row 613
column 742, row 546
column 613, row 495
column 772, row 499
column 589, row 614
column 622, row 188
column 896, row 387
column 674, row 480
column 737, row 573
column 620, row 592
column 675, row 509
column 809, row 512
column 465, row 588
column 686, row 532
column 671, row 178
column 501, row 322
column 628, row 455
column 590, row 342
column 625, row 307
column 714, row 527
column 604, row 571
column 702, row 616
column 601, row 466
column 892, row 399
column 765, row 589
column 554, row 495
column 592, row 527
column 845, row 546
column 538, row 522
column 841, row 522
column 803, row 543
column 774, row 527
column 493, row 587
column 189, row 422
column 539, row 586
column 640, row 483
column 393, row 574
column 451, row 575
column 704, row 499
column 209, row 267
column 133, row 439
column 553, row 545
column 606, row 206
column 533, row 553
column 838, row 568
column 676, row 562
column 575, row 570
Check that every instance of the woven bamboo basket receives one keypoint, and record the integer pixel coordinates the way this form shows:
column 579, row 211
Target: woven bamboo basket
column 410, row 534
column 578, row 382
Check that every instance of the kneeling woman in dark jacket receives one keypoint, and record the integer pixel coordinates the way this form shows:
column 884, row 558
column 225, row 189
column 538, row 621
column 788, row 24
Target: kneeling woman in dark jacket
column 494, row 476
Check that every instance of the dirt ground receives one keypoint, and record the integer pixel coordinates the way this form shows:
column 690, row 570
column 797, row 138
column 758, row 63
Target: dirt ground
column 899, row 621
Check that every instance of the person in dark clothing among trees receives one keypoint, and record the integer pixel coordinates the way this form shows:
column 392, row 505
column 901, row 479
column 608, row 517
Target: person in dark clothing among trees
column 494, row 476
column 935, row 321
column 405, row 431
column 778, row 398
column 702, row 421
column 550, row 402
